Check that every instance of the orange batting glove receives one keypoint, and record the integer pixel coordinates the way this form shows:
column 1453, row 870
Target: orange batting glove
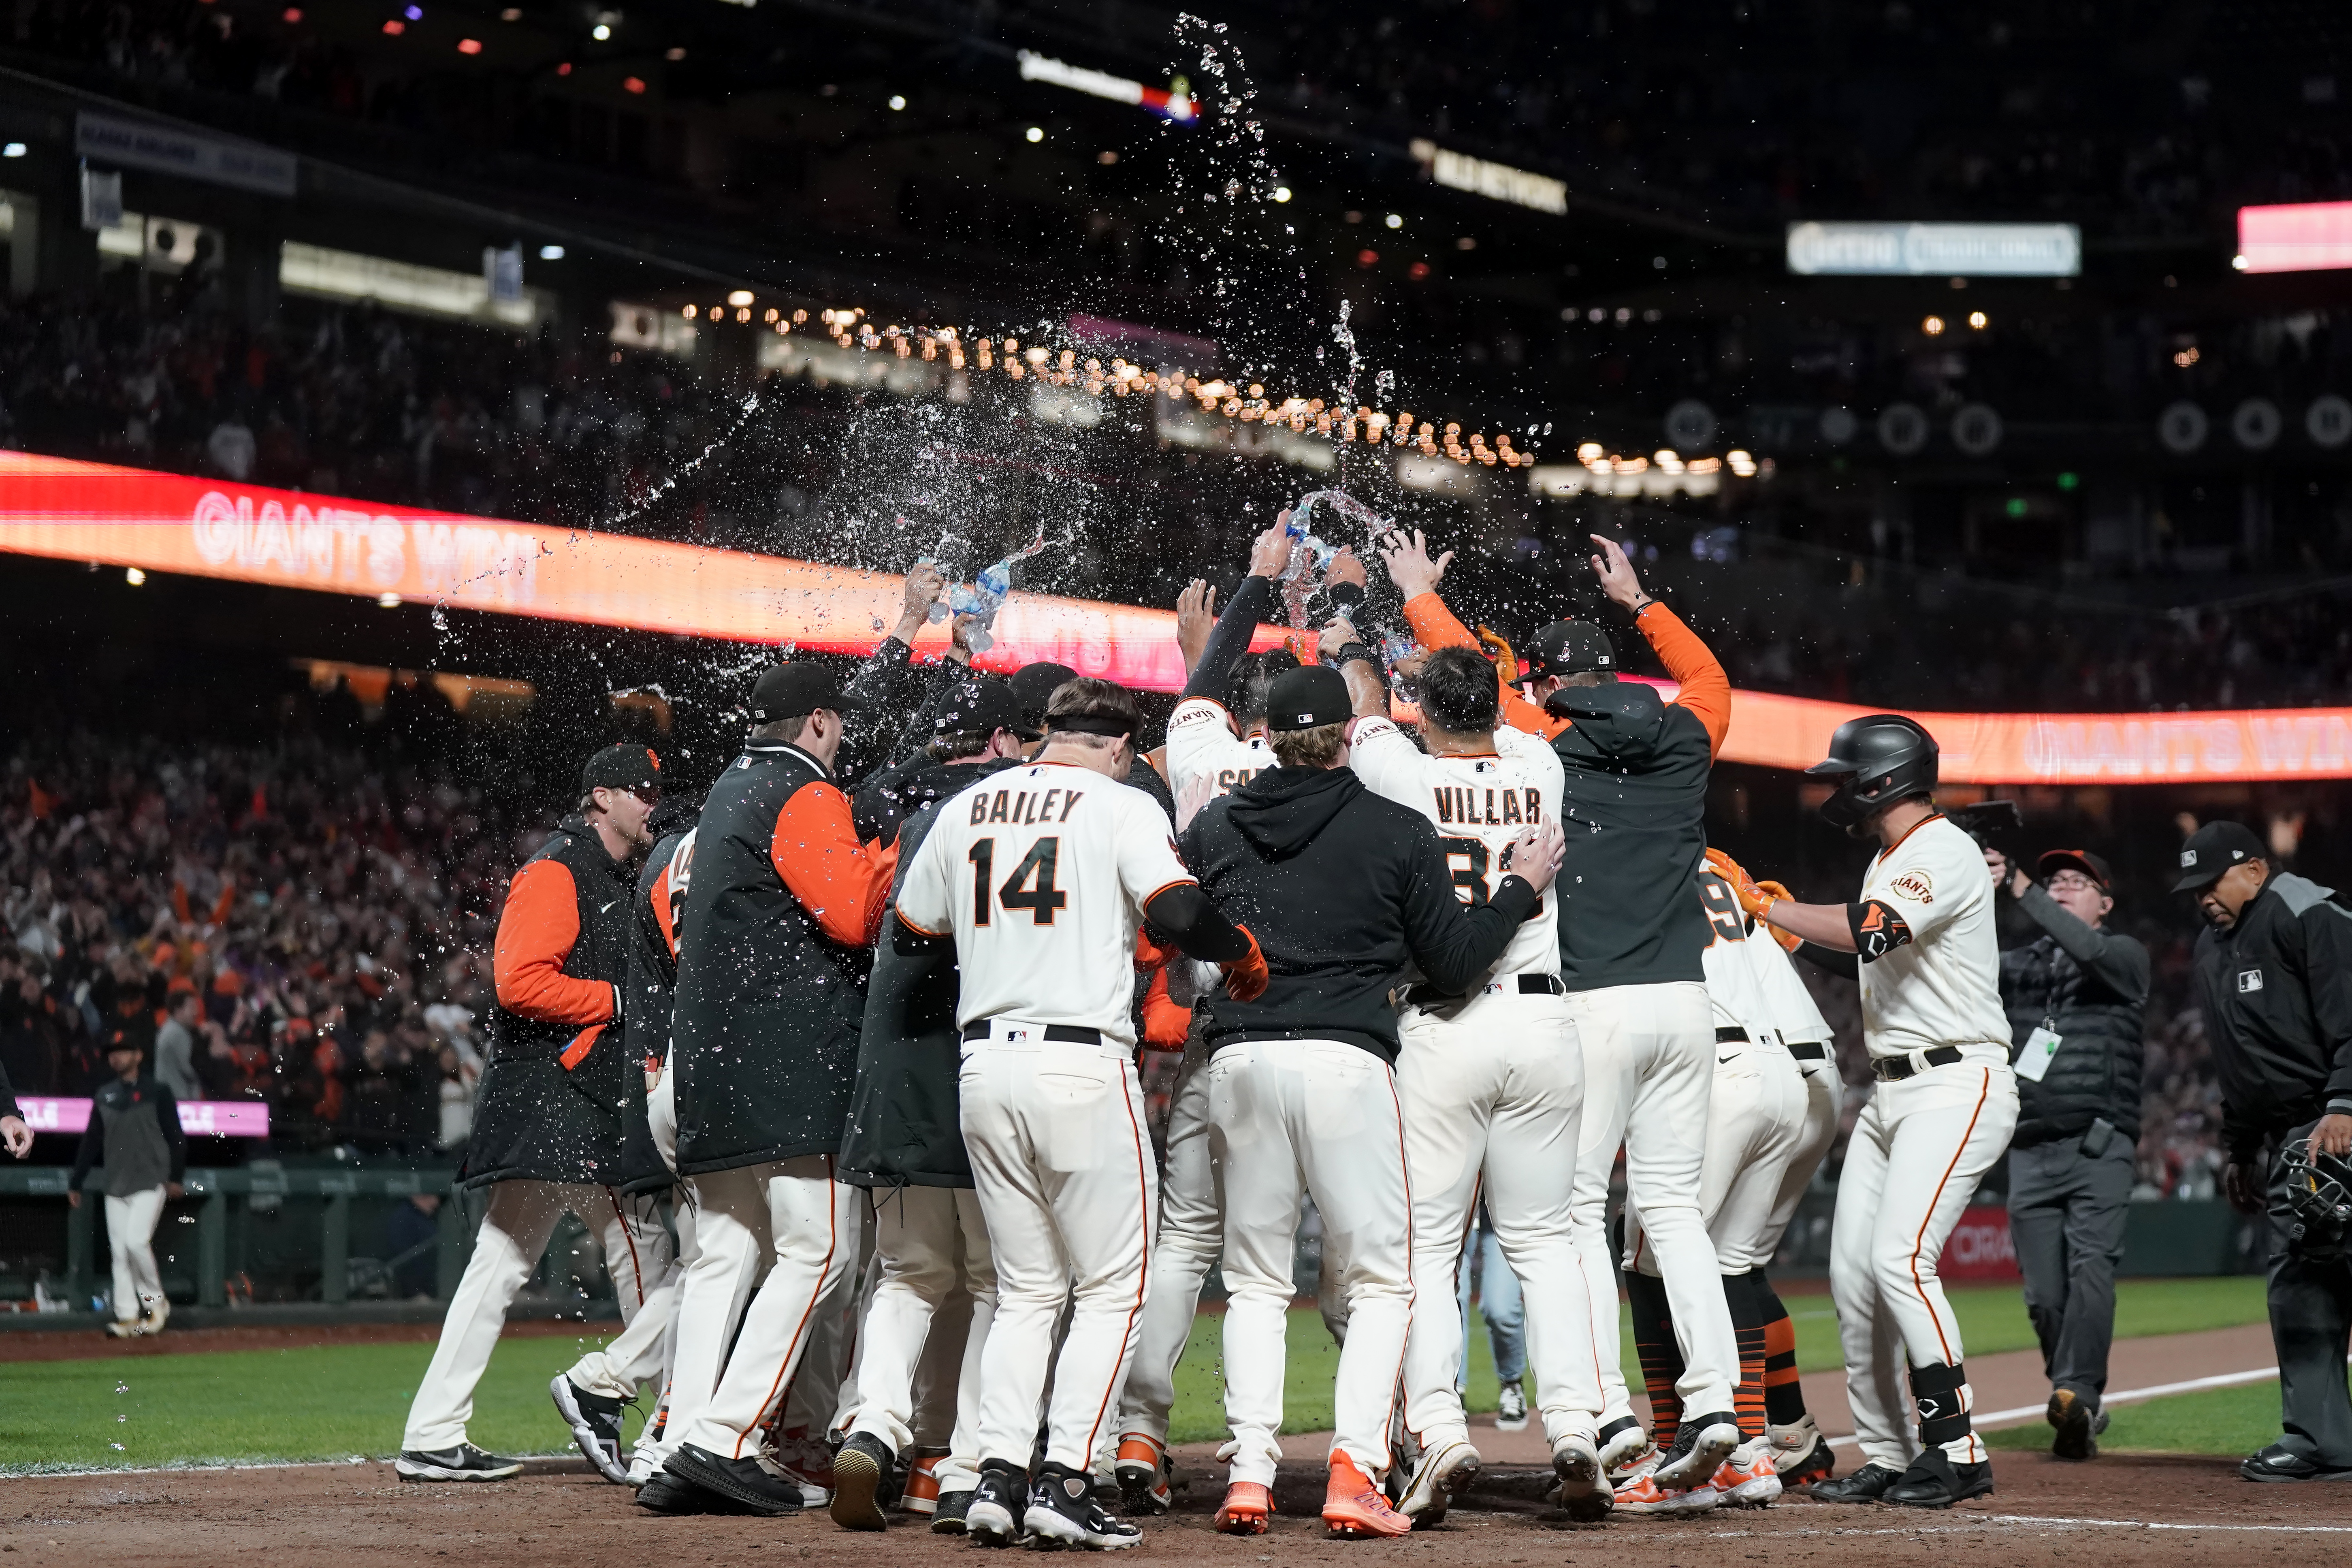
column 1165, row 1024
column 1751, row 894
column 1149, row 955
column 1792, row 942
column 1245, row 977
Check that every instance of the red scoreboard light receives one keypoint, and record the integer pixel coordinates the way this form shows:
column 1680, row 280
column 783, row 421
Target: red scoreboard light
column 2300, row 237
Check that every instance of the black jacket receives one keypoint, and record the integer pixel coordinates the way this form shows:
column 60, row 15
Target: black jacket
column 1634, row 813
column 2277, row 991
column 770, row 986
column 650, row 991
column 1345, row 893
column 558, row 1079
column 905, row 1124
column 2091, row 985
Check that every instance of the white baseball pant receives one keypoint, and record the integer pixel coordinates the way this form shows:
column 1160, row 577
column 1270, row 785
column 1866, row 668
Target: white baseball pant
column 1192, row 1235
column 1494, row 1091
column 810, row 1222
column 514, row 1233
column 1649, row 1071
column 930, row 1248
column 825, row 1382
column 1319, row 1118
column 131, row 1220
column 658, row 1439
column 1064, row 1170
column 1825, row 1104
column 1918, row 1150
column 1756, row 1115
column 638, row 1354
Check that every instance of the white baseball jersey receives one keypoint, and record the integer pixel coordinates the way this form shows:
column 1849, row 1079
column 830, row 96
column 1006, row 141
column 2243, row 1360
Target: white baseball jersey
column 1934, row 979
column 1794, row 1016
column 1042, row 874
column 1738, row 1001
column 1201, row 740
column 1479, row 804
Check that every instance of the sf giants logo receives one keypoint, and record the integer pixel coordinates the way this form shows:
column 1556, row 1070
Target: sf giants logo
column 1916, row 886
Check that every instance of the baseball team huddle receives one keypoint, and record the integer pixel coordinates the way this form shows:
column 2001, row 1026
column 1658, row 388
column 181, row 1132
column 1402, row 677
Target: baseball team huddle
column 1433, row 945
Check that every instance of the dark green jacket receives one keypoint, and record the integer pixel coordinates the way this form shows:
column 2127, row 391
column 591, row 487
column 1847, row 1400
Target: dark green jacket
column 2091, row 985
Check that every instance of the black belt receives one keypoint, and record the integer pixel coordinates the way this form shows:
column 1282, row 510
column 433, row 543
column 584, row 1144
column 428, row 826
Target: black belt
column 1807, row 1050
column 1526, row 985
column 1062, row 1034
column 1894, row 1070
column 1730, row 1035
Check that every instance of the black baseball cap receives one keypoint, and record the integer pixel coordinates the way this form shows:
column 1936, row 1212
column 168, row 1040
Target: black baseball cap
column 2213, row 849
column 1568, row 647
column 983, row 706
column 1033, row 686
column 1306, row 698
column 796, row 690
column 2095, row 866
column 623, row 766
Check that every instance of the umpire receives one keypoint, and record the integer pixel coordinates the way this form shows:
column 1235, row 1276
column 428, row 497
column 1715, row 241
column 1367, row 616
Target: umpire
column 2274, row 973
column 2075, row 995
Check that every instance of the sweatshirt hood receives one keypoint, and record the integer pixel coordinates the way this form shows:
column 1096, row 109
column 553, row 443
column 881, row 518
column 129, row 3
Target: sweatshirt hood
column 1282, row 809
column 1623, row 720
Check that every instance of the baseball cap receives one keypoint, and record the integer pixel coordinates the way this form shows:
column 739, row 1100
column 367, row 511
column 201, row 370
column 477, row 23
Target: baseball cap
column 985, row 707
column 1567, row 648
column 1306, row 698
column 2095, row 866
column 1033, row 686
column 623, row 766
column 796, row 690
column 2213, row 849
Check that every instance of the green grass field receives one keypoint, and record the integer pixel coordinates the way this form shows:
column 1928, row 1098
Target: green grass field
column 2218, row 1421
column 335, row 1401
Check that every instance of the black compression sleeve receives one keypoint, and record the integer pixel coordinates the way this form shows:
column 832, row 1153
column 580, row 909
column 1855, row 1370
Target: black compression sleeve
column 1237, row 623
column 1185, row 914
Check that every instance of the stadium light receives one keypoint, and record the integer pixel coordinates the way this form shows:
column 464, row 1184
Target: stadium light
column 1394, row 220
column 135, row 578
column 897, row 102
column 1933, row 326
column 550, row 253
column 469, row 46
column 1035, row 133
column 740, row 297
column 1979, row 319
column 600, row 32
column 1282, row 193
column 14, row 150
column 2297, row 236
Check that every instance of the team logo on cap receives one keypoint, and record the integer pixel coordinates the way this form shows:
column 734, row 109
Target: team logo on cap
column 651, row 759
column 2187, row 860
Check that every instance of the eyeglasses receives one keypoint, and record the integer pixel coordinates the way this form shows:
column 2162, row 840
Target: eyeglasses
column 649, row 794
column 2073, row 882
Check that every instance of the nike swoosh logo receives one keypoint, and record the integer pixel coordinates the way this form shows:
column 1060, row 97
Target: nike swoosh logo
column 1733, row 1057
column 608, row 906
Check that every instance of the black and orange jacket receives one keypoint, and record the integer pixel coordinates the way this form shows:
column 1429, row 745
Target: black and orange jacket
column 558, row 1080
column 1635, row 803
column 651, row 988
column 774, row 954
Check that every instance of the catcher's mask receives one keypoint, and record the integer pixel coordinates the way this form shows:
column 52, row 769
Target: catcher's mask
column 2319, row 1191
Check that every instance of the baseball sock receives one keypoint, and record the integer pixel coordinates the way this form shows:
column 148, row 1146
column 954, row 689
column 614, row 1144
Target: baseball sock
column 1662, row 1356
column 1784, row 1392
column 1743, row 1295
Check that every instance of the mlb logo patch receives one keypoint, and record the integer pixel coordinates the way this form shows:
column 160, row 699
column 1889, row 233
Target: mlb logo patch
column 2189, row 859
column 2250, row 980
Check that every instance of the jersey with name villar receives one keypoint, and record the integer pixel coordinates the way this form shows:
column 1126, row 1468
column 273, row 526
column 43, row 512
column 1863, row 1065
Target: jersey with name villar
column 1731, row 989
column 1479, row 804
column 1042, row 873
column 1200, row 741
column 1931, row 966
column 1795, row 1017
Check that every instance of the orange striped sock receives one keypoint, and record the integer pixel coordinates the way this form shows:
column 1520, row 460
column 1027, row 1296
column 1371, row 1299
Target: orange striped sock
column 1784, row 1393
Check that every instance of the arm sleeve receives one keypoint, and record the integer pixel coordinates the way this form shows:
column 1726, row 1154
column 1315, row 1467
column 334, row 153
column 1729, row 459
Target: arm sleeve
column 2119, row 960
column 841, row 882
column 1455, row 943
column 1846, row 965
column 923, row 893
column 880, row 806
column 1237, row 623
column 167, row 1118
column 1185, row 916
column 2327, row 974
column 1706, row 690
column 536, row 933
column 882, row 676
column 1435, row 626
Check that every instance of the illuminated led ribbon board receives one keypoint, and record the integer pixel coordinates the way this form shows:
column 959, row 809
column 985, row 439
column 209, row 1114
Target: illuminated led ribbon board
column 70, row 511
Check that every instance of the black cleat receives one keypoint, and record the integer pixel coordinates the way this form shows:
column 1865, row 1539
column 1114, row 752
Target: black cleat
column 2279, row 1463
column 1701, row 1445
column 740, row 1480
column 595, row 1423
column 1868, row 1484
column 1815, row 1467
column 1063, row 1512
column 998, row 1504
column 860, row 1471
column 947, row 1518
column 463, row 1463
column 669, row 1494
column 1934, row 1482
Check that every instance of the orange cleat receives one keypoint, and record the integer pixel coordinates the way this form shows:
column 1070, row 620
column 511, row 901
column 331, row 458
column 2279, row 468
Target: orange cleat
column 922, row 1491
column 1246, row 1508
column 1354, row 1507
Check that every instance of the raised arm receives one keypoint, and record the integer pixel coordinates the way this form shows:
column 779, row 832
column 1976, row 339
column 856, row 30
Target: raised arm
column 1705, row 689
column 1238, row 622
column 1433, row 626
column 2119, row 960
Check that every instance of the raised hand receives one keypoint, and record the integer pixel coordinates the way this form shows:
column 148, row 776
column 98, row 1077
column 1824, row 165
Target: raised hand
column 1616, row 573
column 1196, row 617
column 1406, row 555
column 1270, row 551
column 925, row 583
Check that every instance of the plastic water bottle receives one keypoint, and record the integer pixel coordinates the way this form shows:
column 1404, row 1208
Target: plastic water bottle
column 981, row 600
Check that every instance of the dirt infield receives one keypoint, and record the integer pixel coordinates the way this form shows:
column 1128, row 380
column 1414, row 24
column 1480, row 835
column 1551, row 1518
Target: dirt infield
column 2125, row 1510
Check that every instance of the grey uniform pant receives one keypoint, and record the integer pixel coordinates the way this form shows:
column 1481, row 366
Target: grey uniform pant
column 2066, row 1214
column 2311, row 1325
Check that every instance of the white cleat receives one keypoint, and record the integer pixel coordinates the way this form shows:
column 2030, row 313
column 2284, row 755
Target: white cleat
column 1585, row 1494
column 1443, row 1473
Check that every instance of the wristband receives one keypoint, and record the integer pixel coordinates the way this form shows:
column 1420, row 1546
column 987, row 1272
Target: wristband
column 1349, row 652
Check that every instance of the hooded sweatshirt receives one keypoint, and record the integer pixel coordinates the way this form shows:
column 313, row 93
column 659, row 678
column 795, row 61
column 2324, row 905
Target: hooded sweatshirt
column 1348, row 894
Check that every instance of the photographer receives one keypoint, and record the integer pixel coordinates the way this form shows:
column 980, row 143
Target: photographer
column 2075, row 995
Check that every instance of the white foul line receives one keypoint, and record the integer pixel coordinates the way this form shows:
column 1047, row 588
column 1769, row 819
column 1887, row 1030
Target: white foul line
column 2126, row 1396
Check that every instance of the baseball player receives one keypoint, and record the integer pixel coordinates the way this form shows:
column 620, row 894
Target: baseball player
column 1922, row 932
column 1041, row 876
column 590, row 1396
column 1491, row 1077
column 1351, row 892
column 547, row 1129
column 1755, row 1116
column 1634, row 803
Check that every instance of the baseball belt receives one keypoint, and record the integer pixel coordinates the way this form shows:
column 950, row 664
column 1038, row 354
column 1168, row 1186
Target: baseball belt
column 1807, row 1050
column 1061, row 1034
column 1524, row 984
column 1730, row 1035
column 1894, row 1070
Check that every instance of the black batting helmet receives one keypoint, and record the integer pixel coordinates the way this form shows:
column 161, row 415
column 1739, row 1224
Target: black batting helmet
column 1876, row 759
